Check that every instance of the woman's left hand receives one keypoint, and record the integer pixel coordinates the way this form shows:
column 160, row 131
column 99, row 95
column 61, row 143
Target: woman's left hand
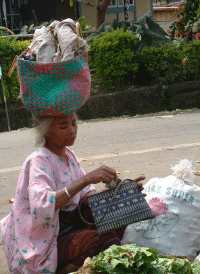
column 139, row 183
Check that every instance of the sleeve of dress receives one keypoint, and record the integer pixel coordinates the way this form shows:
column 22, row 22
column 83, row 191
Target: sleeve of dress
column 88, row 188
column 42, row 190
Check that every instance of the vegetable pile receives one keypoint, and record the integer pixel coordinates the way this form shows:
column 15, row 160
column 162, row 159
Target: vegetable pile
column 131, row 259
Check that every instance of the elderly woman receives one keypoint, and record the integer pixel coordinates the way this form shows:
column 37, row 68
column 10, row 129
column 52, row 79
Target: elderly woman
column 44, row 232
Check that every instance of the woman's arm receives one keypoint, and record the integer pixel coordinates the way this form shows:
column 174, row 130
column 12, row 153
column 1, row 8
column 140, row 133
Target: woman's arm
column 103, row 174
column 62, row 198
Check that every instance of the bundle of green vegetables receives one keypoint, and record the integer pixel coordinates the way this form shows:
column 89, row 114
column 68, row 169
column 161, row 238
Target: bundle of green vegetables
column 131, row 259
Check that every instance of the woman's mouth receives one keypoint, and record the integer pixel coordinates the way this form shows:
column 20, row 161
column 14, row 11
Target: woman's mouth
column 71, row 139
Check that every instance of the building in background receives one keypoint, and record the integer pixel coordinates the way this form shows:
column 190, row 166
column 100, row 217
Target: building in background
column 115, row 10
column 47, row 10
column 10, row 14
column 164, row 13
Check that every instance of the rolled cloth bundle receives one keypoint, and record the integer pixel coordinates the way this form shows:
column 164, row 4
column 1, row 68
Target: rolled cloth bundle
column 55, row 88
column 69, row 43
column 58, row 42
column 38, row 37
column 47, row 49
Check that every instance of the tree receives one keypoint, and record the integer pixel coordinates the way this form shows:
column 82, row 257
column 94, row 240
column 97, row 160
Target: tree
column 101, row 6
column 101, row 11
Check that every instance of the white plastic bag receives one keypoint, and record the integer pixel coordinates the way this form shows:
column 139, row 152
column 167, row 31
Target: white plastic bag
column 176, row 228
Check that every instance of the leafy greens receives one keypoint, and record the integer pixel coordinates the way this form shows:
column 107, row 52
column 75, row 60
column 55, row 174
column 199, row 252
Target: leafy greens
column 131, row 259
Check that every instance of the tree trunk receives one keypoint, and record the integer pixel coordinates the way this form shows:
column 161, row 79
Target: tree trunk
column 101, row 11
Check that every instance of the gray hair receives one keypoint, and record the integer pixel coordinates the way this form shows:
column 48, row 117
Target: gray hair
column 42, row 125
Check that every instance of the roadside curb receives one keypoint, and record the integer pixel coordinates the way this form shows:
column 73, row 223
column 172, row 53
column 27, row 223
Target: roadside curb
column 142, row 100
column 128, row 102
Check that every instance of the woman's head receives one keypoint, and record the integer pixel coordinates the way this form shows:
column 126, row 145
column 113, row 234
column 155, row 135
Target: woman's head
column 42, row 125
column 56, row 131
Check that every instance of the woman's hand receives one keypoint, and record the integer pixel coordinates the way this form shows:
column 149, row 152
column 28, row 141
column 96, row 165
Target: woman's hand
column 138, row 182
column 103, row 174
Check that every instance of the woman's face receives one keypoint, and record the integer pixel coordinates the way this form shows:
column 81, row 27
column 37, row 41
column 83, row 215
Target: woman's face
column 63, row 131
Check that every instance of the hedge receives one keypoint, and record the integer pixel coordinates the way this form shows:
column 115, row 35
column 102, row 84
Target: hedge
column 163, row 65
column 111, row 56
column 9, row 48
column 115, row 61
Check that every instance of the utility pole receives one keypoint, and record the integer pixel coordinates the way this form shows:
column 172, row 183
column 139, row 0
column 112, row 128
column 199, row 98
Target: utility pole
column 127, row 13
column 4, row 97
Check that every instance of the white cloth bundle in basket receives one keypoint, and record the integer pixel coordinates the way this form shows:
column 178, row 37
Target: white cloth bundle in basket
column 43, row 46
column 68, row 40
column 59, row 42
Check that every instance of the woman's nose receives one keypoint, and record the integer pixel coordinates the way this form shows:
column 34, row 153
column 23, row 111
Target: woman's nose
column 72, row 130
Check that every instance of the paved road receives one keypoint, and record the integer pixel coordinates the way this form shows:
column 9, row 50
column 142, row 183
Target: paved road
column 147, row 144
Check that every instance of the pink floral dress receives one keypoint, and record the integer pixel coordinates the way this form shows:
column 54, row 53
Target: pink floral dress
column 29, row 233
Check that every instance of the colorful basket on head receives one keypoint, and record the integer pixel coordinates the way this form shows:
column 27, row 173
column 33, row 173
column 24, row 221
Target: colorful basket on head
column 54, row 89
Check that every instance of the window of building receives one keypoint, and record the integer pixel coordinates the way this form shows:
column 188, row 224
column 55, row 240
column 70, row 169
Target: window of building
column 164, row 2
column 120, row 3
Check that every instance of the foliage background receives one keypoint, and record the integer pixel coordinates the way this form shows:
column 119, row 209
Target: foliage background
column 187, row 21
column 116, row 62
column 9, row 48
column 111, row 56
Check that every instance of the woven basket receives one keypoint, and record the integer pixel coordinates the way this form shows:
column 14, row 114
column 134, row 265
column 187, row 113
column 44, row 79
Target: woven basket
column 54, row 89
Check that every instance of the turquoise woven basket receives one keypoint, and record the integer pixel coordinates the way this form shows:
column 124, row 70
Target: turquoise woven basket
column 54, row 89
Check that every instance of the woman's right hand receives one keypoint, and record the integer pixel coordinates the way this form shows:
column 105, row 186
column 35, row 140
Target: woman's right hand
column 103, row 174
